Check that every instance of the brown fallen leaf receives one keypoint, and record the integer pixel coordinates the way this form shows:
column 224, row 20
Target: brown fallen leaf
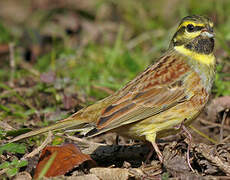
column 216, row 106
column 67, row 157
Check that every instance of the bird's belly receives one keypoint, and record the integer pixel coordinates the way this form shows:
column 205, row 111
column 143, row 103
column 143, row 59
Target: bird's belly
column 163, row 124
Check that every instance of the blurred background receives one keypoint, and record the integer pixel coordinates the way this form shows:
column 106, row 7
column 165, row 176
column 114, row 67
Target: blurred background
column 57, row 56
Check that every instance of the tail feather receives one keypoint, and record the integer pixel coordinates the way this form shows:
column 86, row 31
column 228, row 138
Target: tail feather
column 64, row 124
column 88, row 115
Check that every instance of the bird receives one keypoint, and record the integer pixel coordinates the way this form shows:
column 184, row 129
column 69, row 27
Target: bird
column 167, row 94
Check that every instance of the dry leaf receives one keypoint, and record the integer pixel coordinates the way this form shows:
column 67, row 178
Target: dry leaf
column 216, row 106
column 68, row 156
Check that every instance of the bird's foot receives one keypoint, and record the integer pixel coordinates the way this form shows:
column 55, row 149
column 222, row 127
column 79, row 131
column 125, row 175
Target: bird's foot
column 189, row 136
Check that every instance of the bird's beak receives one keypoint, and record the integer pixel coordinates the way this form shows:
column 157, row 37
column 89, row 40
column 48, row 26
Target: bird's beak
column 207, row 33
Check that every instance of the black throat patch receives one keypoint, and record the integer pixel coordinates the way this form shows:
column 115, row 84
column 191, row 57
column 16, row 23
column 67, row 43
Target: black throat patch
column 201, row 45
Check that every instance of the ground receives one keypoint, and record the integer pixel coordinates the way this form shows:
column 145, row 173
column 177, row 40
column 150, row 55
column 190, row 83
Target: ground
column 59, row 56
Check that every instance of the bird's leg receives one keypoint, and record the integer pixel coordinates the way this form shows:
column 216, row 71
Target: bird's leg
column 152, row 138
column 189, row 136
column 159, row 154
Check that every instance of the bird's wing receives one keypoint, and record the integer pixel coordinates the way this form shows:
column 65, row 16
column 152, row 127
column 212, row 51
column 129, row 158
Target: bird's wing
column 157, row 89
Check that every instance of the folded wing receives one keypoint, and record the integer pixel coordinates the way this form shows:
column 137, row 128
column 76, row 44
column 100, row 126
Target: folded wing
column 157, row 89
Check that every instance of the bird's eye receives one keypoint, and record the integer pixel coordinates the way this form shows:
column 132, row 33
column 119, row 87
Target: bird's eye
column 190, row 28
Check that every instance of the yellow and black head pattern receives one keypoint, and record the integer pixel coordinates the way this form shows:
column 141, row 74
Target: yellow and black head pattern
column 196, row 34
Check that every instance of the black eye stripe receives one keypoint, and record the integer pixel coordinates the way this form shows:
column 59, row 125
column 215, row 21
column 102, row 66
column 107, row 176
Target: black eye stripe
column 196, row 28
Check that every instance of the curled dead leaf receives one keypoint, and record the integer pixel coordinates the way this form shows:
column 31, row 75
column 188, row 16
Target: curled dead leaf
column 216, row 106
column 67, row 157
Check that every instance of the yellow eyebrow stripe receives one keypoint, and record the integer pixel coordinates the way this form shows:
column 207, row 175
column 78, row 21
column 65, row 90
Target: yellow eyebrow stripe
column 189, row 22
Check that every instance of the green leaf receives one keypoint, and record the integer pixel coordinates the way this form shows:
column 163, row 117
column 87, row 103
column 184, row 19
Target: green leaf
column 22, row 163
column 4, row 108
column 13, row 148
column 4, row 165
column 17, row 132
column 14, row 162
column 12, row 172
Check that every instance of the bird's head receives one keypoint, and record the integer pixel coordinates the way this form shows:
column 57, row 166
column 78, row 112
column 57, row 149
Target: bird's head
column 195, row 33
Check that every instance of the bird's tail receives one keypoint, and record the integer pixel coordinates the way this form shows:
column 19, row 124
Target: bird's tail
column 83, row 121
column 64, row 124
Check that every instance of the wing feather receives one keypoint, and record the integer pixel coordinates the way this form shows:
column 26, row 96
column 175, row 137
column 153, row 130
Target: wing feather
column 157, row 89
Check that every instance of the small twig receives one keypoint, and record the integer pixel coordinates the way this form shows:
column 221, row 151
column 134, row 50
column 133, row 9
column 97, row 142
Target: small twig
column 86, row 146
column 225, row 139
column 214, row 124
column 43, row 145
column 208, row 127
column 222, row 124
column 221, row 128
column 12, row 64
column 83, row 141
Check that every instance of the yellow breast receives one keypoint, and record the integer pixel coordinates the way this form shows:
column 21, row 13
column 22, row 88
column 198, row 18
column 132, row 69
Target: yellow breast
column 208, row 59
